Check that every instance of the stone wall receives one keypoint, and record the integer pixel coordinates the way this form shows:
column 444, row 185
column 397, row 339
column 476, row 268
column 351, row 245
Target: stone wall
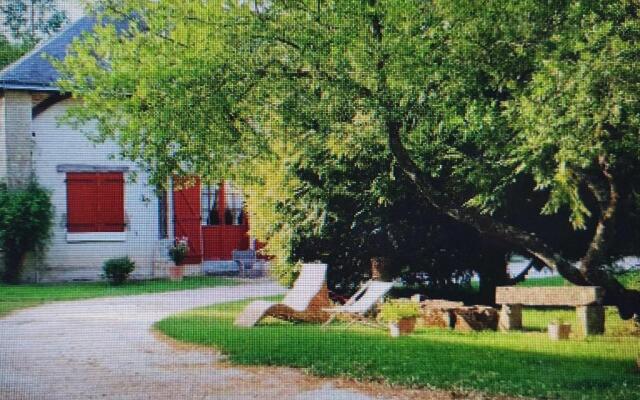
column 16, row 144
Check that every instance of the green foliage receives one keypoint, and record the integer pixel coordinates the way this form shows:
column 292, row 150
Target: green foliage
column 29, row 21
column 14, row 297
column 9, row 52
column 26, row 216
column 117, row 270
column 395, row 310
column 516, row 364
column 514, row 109
column 630, row 279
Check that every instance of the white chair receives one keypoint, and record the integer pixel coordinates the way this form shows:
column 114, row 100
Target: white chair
column 361, row 303
column 305, row 301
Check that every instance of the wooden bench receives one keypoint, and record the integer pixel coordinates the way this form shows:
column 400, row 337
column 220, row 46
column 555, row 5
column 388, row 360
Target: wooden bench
column 586, row 299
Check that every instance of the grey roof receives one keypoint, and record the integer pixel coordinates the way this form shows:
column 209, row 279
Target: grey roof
column 33, row 71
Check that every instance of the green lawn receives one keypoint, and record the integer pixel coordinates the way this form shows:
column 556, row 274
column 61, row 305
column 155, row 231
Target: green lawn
column 540, row 282
column 13, row 297
column 517, row 363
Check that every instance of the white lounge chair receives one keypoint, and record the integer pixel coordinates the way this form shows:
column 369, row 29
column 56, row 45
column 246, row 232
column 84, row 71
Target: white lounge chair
column 305, row 301
column 361, row 303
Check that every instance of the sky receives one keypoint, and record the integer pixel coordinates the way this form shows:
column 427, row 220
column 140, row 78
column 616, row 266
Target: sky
column 73, row 8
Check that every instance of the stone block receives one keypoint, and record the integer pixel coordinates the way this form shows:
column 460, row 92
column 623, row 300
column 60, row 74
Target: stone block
column 477, row 318
column 510, row 317
column 434, row 317
column 549, row 296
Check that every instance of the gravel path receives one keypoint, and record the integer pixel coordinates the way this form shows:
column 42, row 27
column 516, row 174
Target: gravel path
column 105, row 348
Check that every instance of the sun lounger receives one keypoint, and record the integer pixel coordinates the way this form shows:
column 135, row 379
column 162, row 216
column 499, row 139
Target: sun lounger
column 361, row 303
column 304, row 302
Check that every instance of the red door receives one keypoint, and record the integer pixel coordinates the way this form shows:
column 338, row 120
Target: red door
column 186, row 206
column 219, row 241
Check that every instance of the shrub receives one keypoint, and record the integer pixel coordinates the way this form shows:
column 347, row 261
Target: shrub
column 395, row 310
column 26, row 217
column 117, row 270
column 178, row 252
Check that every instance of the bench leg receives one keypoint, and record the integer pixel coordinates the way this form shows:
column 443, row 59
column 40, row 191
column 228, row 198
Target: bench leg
column 510, row 317
column 591, row 319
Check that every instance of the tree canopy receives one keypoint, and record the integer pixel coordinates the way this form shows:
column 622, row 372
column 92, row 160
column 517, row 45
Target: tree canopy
column 486, row 108
column 27, row 23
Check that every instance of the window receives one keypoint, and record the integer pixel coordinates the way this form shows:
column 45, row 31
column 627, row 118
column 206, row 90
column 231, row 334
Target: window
column 95, row 202
column 163, row 230
column 208, row 205
column 234, row 204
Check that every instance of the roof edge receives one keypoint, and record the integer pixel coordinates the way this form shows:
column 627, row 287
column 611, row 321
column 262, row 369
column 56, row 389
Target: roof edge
column 31, row 88
column 42, row 44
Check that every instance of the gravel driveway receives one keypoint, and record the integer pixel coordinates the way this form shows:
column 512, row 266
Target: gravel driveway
column 105, row 348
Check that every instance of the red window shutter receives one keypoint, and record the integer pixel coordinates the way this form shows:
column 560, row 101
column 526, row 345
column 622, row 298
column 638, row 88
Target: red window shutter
column 95, row 202
column 111, row 203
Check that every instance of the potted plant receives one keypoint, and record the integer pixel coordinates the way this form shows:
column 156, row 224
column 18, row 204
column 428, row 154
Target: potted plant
column 178, row 252
column 559, row 330
column 400, row 315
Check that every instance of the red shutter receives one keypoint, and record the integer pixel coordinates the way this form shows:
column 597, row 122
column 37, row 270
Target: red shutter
column 95, row 202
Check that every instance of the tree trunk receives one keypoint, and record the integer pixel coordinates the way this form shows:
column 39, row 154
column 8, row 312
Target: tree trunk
column 492, row 273
column 380, row 269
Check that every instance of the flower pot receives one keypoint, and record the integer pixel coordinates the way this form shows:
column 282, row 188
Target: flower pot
column 403, row 327
column 559, row 331
column 176, row 273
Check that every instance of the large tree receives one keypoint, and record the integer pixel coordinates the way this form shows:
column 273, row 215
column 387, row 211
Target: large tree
column 319, row 201
column 485, row 107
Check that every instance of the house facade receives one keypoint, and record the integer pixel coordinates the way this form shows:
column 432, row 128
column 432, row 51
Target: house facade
column 104, row 207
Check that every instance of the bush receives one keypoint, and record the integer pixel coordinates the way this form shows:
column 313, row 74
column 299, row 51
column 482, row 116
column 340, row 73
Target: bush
column 117, row 270
column 26, row 217
column 395, row 310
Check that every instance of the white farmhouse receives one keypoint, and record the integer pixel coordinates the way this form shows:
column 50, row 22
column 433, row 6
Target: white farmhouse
column 100, row 212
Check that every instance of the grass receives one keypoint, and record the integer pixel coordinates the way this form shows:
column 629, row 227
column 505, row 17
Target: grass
column 630, row 279
column 545, row 282
column 515, row 363
column 14, row 297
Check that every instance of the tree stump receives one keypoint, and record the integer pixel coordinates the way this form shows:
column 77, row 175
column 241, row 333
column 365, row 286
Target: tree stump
column 380, row 269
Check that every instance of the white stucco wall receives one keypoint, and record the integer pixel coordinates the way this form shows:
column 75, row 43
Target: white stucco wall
column 56, row 144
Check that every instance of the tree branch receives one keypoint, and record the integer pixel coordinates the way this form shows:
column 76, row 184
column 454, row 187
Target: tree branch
column 607, row 196
column 627, row 300
column 523, row 274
